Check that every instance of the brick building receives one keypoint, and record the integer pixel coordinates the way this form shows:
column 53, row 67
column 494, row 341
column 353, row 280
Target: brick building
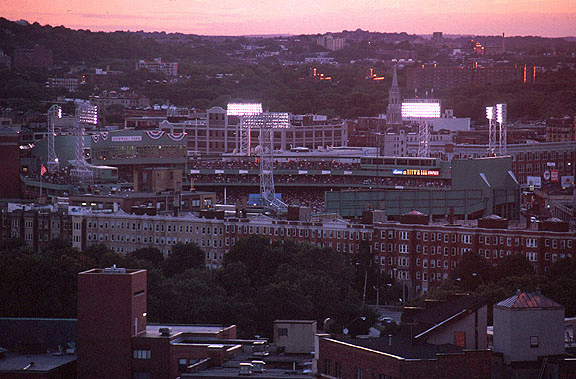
column 35, row 225
column 71, row 84
column 38, row 57
column 561, row 129
column 440, row 340
column 114, row 340
column 168, row 68
column 415, row 251
column 10, row 163
column 439, row 77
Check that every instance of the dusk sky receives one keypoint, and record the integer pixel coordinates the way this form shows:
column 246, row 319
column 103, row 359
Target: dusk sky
column 550, row 18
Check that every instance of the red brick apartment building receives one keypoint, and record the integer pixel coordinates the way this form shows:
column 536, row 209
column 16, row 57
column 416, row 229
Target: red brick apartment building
column 9, row 164
column 350, row 360
column 114, row 340
column 416, row 251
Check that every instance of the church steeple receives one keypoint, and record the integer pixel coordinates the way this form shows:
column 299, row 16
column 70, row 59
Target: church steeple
column 394, row 111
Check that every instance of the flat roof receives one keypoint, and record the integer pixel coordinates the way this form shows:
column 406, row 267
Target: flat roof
column 23, row 363
column 233, row 372
column 153, row 330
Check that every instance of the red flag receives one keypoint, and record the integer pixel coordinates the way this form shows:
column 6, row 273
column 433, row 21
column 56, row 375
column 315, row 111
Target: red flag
column 42, row 170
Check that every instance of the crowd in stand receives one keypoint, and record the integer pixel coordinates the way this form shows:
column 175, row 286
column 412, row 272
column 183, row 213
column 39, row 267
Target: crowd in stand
column 254, row 164
column 323, row 180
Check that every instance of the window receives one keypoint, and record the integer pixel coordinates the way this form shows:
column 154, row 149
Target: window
column 534, row 341
column 460, row 339
column 359, row 373
column 282, row 332
column 182, row 364
column 338, row 369
column 141, row 354
column 327, row 366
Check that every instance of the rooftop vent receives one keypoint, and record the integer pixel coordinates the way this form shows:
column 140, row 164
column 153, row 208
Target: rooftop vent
column 245, row 369
column 114, row 270
column 258, row 366
column 165, row 331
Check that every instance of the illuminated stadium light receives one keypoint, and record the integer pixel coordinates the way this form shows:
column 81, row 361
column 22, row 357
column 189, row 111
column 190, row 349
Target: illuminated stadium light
column 490, row 113
column 501, row 113
column 88, row 114
column 242, row 109
column 421, row 108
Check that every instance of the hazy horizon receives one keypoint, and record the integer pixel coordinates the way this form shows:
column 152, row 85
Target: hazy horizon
column 545, row 18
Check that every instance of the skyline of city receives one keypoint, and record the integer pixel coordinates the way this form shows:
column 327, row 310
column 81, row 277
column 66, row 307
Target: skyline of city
column 537, row 17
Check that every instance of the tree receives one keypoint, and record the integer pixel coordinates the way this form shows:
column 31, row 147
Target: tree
column 150, row 254
column 513, row 265
column 183, row 257
column 471, row 271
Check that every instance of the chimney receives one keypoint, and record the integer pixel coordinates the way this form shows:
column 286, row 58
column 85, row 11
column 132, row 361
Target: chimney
column 451, row 216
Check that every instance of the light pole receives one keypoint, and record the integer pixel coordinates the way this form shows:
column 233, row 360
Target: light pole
column 365, row 281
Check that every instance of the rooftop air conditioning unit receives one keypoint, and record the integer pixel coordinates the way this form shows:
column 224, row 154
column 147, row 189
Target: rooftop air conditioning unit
column 245, row 369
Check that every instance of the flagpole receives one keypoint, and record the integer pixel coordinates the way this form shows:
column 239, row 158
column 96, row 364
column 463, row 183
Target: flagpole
column 40, row 199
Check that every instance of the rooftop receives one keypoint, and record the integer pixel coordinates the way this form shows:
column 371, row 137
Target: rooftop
column 529, row 300
column 33, row 363
column 402, row 346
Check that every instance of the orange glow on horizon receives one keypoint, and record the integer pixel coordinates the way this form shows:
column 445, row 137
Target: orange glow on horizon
column 549, row 18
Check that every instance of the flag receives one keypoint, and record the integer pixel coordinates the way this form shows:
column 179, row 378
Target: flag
column 42, row 170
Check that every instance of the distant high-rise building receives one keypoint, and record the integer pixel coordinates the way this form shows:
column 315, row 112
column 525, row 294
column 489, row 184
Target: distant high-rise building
column 440, row 77
column 330, row 42
column 561, row 129
column 437, row 38
column 394, row 112
column 37, row 57
column 168, row 68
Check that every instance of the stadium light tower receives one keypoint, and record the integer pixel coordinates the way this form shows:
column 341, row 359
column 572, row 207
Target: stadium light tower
column 491, row 116
column 422, row 110
column 501, row 116
column 244, row 131
column 267, row 122
column 497, row 116
column 54, row 113
column 86, row 114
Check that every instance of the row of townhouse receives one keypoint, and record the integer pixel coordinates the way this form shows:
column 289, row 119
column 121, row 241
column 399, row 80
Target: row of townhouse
column 419, row 253
column 124, row 233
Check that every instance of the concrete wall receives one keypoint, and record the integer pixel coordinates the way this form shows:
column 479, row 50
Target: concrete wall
column 513, row 329
column 300, row 335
